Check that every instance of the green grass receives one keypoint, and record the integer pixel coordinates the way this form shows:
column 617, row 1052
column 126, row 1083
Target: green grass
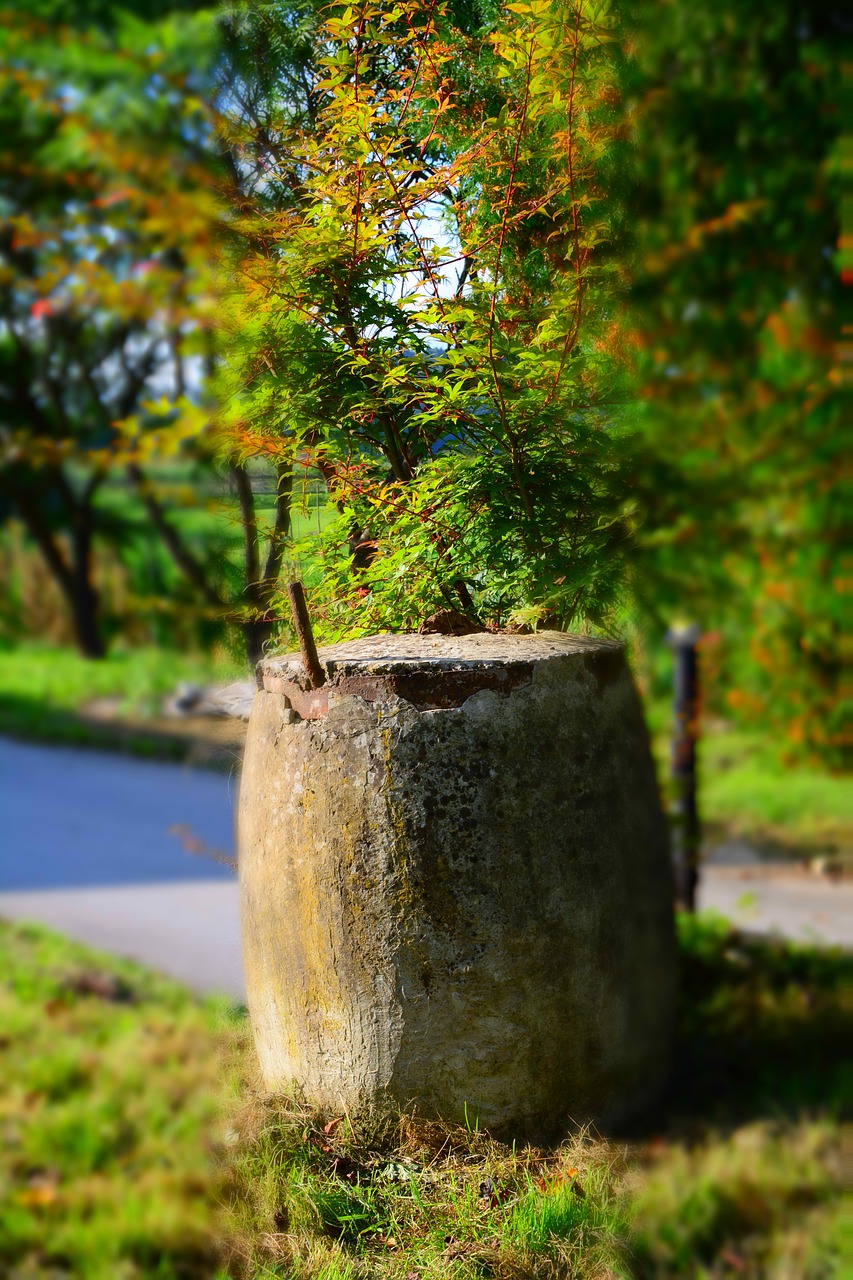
column 762, row 1202
column 750, row 792
column 746, row 789
column 134, row 1143
column 115, row 1087
column 45, row 690
column 140, row 678
column 405, row 1197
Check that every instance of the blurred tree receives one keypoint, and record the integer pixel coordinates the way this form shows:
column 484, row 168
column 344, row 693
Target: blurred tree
column 105, row 234
column 263, row 75
column 735, row 312
column 113, row 197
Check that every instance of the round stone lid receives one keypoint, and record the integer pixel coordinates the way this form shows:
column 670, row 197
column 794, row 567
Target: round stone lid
column 431, row 671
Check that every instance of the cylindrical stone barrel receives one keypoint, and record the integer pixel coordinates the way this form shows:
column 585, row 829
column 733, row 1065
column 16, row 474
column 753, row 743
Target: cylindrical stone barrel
column 456, row 888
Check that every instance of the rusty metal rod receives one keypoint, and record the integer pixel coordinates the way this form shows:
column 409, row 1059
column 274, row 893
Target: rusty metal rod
column 307, row 644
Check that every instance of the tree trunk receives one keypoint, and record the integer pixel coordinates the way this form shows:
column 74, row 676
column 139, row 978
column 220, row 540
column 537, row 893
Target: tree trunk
column 191, row 568
column 256, row 632
column 84, row 596
column 74, row 579
column 85, row 617
column 260, row 588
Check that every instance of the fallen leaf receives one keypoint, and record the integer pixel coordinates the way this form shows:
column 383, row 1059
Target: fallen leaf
column 448, row 622
column 41, row 1189
column 92, row 982
column 38, row 1197
column 330, row 1128
column 550, row 1184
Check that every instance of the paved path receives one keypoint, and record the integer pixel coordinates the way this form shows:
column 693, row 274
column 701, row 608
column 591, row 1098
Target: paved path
column 798, row 906
column 76, row 818
column 95, row 846
column 99, row 847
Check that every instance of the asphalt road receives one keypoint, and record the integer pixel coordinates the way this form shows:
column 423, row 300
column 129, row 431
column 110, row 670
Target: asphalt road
column 793, row 904
column 122, row 854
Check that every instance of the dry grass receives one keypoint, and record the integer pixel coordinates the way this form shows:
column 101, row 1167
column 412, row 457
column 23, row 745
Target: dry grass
column 319, row 1198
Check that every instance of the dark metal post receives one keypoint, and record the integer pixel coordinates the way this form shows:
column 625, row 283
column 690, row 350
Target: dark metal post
column 686, row 826
column 305, row 635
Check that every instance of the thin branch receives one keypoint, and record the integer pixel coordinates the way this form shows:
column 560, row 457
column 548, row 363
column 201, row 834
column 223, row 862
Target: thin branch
column 248, row 519
column 33, row 517
column 510, row 191
column 172, row 540
column 281, row 528
column 571, row 336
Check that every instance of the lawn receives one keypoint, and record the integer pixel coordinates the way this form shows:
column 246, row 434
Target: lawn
column 747, row 790
column 51, row 694
column 135, row 1143
column 115, row 1091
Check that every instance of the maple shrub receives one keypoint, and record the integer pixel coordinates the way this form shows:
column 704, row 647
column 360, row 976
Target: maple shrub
column 425, row 306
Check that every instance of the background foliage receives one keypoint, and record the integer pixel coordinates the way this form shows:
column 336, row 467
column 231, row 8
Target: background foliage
column 736, row 307
column 530, row 311
column 114, row 199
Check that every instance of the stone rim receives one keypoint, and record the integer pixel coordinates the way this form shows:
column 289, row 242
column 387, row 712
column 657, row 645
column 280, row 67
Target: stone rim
column 432, row 672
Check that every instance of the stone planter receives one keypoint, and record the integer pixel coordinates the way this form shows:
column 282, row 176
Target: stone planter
column 456, row 889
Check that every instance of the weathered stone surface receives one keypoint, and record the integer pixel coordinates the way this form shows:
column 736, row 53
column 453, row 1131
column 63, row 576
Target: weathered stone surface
column 458, row 906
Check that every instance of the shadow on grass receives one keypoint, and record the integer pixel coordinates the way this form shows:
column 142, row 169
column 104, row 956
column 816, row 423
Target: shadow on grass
column 741, row 1180
column 763, row 1032
column 745, row 1177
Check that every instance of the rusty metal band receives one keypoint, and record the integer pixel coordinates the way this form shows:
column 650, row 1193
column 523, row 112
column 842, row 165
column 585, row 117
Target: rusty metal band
column 427, row 690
